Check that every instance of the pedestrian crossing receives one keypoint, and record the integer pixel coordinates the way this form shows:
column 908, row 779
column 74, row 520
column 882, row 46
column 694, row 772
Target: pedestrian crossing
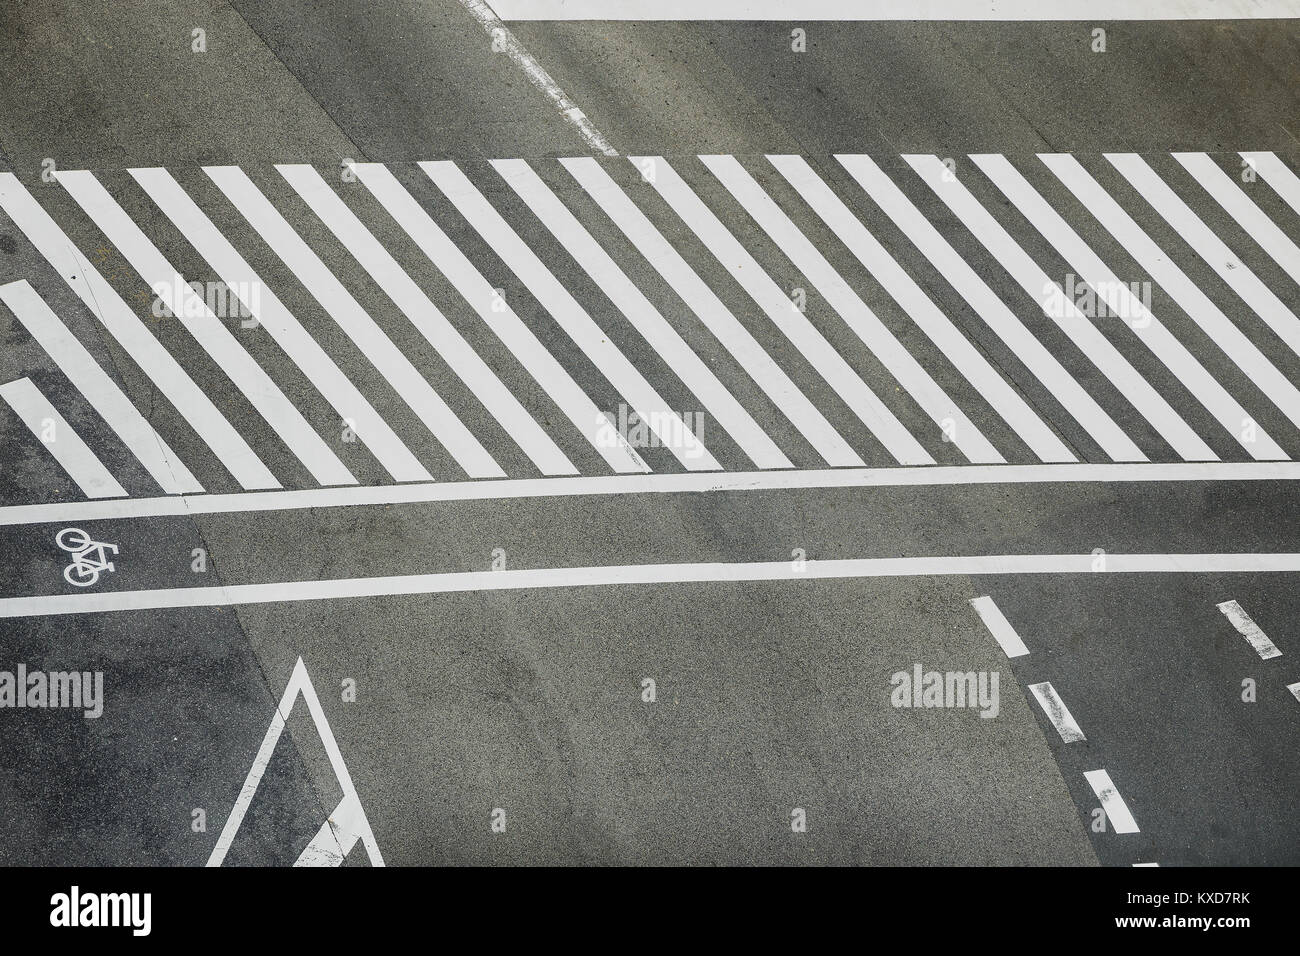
column 541, row 318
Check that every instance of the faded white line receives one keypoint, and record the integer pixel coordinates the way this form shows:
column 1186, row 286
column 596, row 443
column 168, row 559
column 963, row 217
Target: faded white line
column 1248, row 629
column 506, row 43
column 999, row 627
column 1294, row 689
column 947, row 475
column 645, row 574
column 907, row 10
column 1057, row 712
column 1116, row 809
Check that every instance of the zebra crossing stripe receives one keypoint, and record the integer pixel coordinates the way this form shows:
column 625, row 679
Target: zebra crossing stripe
column 1149, row 329
column 1035, row 356
column 1278, row 175
column 1184, row 292
column 145, row 350
column 1080, row 329
column 654, row 328
column 964, row 356
column 207, row 330
column 710, row 310
column 60, row 439
column 272, row 315
column 805, row 337
column 497, row 315
column 577, row 324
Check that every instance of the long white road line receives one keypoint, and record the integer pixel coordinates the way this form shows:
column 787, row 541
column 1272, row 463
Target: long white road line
column 699, row 483
column 1089, row 11
column 104, row 302
column 60, row 439
column 642, row 574
column 97, row 388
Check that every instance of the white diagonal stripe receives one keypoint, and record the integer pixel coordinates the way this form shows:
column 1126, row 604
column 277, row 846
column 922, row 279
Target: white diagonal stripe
column 570, row 316
column 1036, row 357
column 1121, row 820
column 1278, row 175
column 645, row 318
column 805, row 337
column 710, row 310
column 429, row 320
column 964, row 356
column 999, row 627
column 63, row 443
column 576, row 405
column 1248, row 629
column 123, row 324
column 1057, row 712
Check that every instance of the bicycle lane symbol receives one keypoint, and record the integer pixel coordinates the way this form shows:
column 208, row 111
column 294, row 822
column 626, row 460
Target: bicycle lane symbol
column 89, row 557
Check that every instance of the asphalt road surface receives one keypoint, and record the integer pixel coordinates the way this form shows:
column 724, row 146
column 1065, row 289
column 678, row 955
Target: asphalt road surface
column 452, row 440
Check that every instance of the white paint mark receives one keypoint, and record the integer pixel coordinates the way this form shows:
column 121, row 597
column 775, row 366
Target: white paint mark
column 1114, row 805
column 1248, row 629
column 98, row 389
column 64, row 444
column 1057, row 712
column 999, row 627
column 887, row 10
column 1146, row 864
column 345, row 825
column 1294, row 689
column 686, row 573
column 954, row 476
column 537, row 76
column 1278, row 175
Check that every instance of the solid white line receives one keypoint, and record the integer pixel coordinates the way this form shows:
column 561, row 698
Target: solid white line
column 145, row 350
column 576, row 405
column 1243, row 209
column 873, row 333
column 1175, row 356
column 64, row 444
column 272, row 315
column 1037, row 358
column 644, row 574
column 428, row 319
column 965, row 357
column 906, row 10
column 1081, row 330
column 1057, row 712
column 1116, row 809
column 570, row 316
column 99, row 389
column 999, row 627
column 541, row 80
column 805, row 337
column 1248, row 629
column 1278, row 175
column 1187, row 294
column 1192, row 230
column 698, row 483
column 643, row 316
column 1135, row 388
column 207, row 330
column 709, row 309
column 405, row 379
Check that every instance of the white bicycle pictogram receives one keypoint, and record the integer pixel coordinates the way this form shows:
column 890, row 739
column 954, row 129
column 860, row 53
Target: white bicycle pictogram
column 89, row 557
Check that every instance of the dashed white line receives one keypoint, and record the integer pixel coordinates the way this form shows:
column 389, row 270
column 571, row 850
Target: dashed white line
column 1057, row 712
column 1294, row 689
column 1116, row 809
column 999, row 627
column 1249, row 630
